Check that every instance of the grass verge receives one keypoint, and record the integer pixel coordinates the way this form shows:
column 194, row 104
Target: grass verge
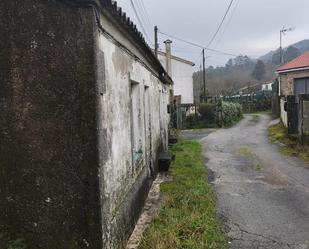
column 291, row 147
column 189, row 219
column 8, row 243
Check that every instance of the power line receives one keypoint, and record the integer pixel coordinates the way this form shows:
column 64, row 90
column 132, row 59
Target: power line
column 182, row 40
column 144, row 16
column 140, row 21
column 218, row 29
column 228, row 23
column 144, row 10
column 195, row 44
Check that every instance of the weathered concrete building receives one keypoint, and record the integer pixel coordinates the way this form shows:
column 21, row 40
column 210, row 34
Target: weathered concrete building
column 83, row 103
column 181, row 71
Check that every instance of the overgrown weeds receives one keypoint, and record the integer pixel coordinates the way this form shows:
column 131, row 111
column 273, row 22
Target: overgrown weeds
column 7, row 243
column 291, row 145
column 189, row 219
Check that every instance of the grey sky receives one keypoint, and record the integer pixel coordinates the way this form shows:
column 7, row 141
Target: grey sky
column 251, row 28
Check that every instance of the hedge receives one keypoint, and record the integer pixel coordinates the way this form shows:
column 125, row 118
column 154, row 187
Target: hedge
column 231, row 113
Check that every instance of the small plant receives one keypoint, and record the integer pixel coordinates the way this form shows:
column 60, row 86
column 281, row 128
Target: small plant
column 290, row 145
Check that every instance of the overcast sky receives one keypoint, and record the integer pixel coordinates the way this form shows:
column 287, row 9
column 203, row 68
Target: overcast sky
column 251, row 27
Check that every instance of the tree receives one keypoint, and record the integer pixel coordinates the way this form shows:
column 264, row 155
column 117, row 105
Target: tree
column 276, row 60
column 259, row 70
column 288, row 54
column 291, row 53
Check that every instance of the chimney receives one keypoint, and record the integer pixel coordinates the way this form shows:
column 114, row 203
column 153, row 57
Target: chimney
column 168, row 51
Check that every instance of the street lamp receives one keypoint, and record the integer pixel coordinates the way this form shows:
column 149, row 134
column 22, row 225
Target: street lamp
column 283, row 32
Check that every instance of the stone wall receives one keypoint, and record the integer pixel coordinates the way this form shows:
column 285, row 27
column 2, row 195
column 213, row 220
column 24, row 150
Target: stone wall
column 287, row 81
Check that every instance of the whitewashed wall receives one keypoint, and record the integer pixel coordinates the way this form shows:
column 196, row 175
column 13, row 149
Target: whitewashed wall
column 182, row 75
column 133, row 123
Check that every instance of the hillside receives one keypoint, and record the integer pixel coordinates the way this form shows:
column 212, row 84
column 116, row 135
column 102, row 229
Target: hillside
column 239, row 71
column 302, row 46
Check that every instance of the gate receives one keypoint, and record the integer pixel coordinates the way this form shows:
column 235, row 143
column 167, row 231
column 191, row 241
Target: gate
column 292, row 112
column 304, row 117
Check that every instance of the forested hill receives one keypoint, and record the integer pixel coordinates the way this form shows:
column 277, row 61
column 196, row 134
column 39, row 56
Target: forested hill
column 243, row 71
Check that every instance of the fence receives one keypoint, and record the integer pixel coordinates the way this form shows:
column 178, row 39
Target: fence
column 304, row 117
column 275, row 106
column 259, row 101
column 284, row 114
column 295, row 115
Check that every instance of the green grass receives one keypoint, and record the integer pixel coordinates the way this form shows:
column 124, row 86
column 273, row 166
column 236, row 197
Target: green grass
column 8, row 243
column 245, row 152
column 292, row 146
column 189, row 219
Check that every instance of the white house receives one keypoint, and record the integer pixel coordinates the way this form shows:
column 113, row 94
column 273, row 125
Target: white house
column 181, row 72
column 267, row 86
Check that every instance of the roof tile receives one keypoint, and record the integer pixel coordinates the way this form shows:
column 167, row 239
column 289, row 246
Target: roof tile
column 299, row 62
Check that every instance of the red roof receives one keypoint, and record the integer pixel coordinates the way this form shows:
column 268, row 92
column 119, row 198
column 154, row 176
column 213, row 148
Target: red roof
column 300, row 62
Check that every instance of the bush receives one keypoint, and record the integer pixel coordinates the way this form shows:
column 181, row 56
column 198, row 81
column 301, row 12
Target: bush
column 208, row 112
column 231, row 113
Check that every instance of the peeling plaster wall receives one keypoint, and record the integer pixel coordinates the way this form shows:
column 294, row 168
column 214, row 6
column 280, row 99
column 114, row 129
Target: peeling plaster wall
column 128, row 147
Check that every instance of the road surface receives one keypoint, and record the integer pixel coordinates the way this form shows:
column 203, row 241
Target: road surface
column 263, row 196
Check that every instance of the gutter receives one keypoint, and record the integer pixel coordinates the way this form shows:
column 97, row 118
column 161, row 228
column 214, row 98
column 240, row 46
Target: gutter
column 110, row 9
column 292, row 70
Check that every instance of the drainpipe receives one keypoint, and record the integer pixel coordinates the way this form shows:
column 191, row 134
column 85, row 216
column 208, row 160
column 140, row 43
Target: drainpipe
column 279, row 87
column 168, row 51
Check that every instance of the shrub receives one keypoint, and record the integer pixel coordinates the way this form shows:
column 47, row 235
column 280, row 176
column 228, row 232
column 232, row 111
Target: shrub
column 231, row 112
column 208, row 112
column 190, row 121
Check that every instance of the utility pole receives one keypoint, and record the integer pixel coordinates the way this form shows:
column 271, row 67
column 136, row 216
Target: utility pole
column 156, row 40
column 283, row 32
column 204, row 75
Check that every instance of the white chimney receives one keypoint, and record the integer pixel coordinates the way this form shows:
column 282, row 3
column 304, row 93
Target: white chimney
column 168, row 51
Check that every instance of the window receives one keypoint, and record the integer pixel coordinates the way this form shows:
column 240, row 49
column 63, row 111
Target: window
column 136, row 123
column 301, row 86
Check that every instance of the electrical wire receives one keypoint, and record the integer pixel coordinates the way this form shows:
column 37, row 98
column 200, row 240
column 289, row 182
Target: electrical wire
column 221, row 23
column 144, row 16
column 228, row 23
column 144, row 10
column 195, row 44
column 140, row 21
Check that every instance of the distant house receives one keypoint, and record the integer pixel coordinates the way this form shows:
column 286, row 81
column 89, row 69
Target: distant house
column 294, row 76
column 267, row 86
column 181, row 72
column 250, row 89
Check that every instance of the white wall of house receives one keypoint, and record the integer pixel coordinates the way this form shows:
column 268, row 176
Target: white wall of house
column 133, row 121
column 182, row 75
column 284, row 114
column 267, row 87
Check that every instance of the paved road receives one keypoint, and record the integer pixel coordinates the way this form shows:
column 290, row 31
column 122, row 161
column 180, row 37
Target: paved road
column 263, row 196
